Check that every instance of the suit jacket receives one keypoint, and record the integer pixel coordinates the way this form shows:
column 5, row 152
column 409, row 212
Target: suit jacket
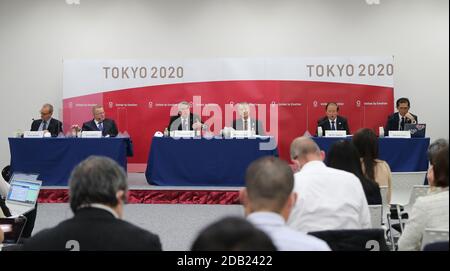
column 109, row 127
column 54, row 127
column 94, row 229
column 238, row 124
column 393, row 121
column 341, row 124
column 175, row 122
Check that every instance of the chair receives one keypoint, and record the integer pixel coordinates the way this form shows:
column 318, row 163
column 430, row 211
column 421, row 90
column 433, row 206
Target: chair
column 376, row 216
column 434, row 235
column 353, row 240
column 400, row 212
column 403, row 210
column 403, row 183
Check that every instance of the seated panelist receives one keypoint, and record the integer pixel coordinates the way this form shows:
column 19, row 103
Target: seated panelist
column 245, row 122
column 100, row 123
column 185, row 120
column 46, row 122
column 332, row 120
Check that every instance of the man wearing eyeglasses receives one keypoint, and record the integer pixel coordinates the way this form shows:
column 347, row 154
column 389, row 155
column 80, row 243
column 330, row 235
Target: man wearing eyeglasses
column 47, row 123
column 100, row 123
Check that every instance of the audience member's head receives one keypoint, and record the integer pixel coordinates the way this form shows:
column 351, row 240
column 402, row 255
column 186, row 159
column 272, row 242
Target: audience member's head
column 438, row 171
column 343, row 155
column 303, row 150
column 366, row 142
column 232, row 234
column 435, row 147
column 269, row 184
column 98, row 180
column 6, row 173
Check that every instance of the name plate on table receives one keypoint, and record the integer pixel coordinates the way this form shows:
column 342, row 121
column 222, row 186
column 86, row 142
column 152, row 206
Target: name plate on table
column 333, row 133
column 400, row 134
column 240, row 134
column 180, row 133
column 91, row 134
column 33, row 134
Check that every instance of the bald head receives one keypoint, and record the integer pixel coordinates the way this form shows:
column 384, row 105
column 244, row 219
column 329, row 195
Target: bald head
column 304, row 149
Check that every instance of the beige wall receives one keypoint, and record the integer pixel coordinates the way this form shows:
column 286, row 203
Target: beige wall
column 36, row 35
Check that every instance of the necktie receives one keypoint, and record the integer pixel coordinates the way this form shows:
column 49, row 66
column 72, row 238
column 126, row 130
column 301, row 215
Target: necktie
column 245, row 125
column 402, row 124
column 185, row 126
column 100, row 126
column 332, row 125
column 44, row 125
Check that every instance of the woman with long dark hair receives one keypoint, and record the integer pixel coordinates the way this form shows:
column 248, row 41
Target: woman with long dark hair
column 344, row 155
column 365, row 140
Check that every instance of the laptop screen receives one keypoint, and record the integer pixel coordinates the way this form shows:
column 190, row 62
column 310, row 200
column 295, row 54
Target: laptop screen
column 25, row 192
column 416, row 129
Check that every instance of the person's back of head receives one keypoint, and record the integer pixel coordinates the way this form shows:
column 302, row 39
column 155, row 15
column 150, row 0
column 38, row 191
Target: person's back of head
column 440, row 168
column 269, row 184
column 303, row 150
column 343, row 155
column 435, row 147
column 366, row 142
column 97, row 180
column 232, row 234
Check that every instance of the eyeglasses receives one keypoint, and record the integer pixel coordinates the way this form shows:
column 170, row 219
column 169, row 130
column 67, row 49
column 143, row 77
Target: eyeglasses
column 42, row 113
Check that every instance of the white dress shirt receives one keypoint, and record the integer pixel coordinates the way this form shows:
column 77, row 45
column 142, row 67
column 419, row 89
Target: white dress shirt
column 285, row 238
column 328, row 199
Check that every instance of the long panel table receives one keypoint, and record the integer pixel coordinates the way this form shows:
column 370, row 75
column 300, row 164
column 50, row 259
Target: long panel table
column 402, row 154
column 203, row 162
column 54, row 158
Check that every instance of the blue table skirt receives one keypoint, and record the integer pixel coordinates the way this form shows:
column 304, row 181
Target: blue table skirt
column 402, row 154
column 202, row 162
column 54, row 158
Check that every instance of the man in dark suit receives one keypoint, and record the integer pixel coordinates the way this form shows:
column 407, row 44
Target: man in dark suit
column 47, row 123
column 98, row 188
column 245, row 123
column 185, row 120
column 332, row 121
column 100, row 123
column 396, row 121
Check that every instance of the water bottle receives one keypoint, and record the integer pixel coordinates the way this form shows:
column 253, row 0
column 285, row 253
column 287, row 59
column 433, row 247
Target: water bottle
column 381, row 131
column 319, row 131
column 166, row 132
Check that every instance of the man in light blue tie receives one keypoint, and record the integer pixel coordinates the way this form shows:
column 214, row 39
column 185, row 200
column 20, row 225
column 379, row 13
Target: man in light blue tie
column 185, row 120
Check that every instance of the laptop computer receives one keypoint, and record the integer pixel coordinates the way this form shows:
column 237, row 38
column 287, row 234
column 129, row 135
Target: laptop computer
column 417, row 129
column 12, row 229
column 22, row 196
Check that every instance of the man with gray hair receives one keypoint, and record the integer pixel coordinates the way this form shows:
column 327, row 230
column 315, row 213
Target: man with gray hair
column 47, row 122
column 329, row 199
column 108, row 127
column 245, row 123
column 184, row 120
column 268, row 199
column 98, row 191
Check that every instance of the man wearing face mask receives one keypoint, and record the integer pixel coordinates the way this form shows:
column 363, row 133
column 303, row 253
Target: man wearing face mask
column 332, row 120
column 98, row 191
